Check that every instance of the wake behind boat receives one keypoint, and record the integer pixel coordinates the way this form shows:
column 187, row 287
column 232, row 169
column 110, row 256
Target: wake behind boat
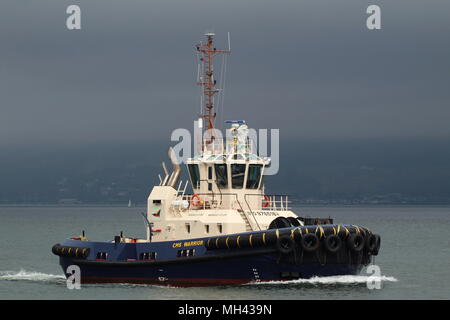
column 228, row 231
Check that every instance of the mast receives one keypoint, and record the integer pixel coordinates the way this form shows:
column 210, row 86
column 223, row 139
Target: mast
column 207, row 81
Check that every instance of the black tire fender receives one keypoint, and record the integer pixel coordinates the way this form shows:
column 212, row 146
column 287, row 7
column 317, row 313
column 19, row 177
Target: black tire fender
column 378, row 244
column 332, row 243
column 310, row 242
column 279, row 223
column 293, row 221
column 355, row 242
column 285, row 244
column 371, row 242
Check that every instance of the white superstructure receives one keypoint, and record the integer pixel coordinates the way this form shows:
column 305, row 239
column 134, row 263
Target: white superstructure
column 226, row 177
column 228, row 197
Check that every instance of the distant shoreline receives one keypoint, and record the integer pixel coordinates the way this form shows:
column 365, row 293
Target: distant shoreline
column 296, row 205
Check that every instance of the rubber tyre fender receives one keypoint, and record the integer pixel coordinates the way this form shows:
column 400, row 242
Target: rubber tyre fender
column 371, row 242
column 279, row 223
column 285, row 244
column 310, row 242
column 293, row 221
column 332, row 243
column 355, row 242
column 55, row 249
column 378, row 244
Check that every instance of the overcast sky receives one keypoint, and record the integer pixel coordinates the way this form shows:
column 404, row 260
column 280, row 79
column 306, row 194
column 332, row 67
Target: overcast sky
column 310, row 68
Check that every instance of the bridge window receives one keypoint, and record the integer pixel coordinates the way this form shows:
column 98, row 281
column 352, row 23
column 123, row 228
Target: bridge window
column 195, row 174
column 221, row 175
column 254, row 174
column 237, row 175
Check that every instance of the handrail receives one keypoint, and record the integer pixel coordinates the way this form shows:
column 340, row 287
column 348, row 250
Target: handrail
column 284, row 204
column 243, row 212
column 254, row 218
column 209, row 194
column 227, row 146
column 237, row 200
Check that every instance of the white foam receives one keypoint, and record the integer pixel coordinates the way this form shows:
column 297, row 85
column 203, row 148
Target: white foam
column 30, row 276
column 332, row 280
column 24, row 275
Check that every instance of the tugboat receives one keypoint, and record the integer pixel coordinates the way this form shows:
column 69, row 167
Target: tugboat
column 228, row 231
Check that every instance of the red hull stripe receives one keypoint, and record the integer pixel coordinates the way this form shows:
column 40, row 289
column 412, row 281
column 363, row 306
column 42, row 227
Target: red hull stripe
column 165, row 281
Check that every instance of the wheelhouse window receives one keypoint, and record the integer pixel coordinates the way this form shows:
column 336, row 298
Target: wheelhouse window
column 221, row 175
column 194, row 173
column 237, row 175
column 254, row 175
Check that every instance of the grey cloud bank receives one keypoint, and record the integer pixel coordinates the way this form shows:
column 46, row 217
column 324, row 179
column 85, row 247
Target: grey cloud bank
column 310, row 68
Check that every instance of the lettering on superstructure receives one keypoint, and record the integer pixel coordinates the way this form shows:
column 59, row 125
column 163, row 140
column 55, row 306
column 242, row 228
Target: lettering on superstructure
column 265, row 213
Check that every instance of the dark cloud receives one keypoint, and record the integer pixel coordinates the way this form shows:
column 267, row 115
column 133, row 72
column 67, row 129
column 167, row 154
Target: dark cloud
column 309, row 67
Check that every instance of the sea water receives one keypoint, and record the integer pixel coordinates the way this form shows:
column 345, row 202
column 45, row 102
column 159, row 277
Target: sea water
column 414, row 258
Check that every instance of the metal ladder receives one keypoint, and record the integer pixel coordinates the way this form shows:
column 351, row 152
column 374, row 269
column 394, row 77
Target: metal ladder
column 248, row 226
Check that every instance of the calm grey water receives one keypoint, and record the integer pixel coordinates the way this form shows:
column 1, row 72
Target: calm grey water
column 414, row 256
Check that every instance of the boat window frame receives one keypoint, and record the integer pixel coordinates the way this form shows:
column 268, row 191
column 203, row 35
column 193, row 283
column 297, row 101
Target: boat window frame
column 195, row 185
column 261, row 179
column 219, row 176
column 233, row 185
column 257, row 180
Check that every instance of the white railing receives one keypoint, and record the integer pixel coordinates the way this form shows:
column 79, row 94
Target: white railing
column 183, row 202
column 231, row 147
column 276, row 202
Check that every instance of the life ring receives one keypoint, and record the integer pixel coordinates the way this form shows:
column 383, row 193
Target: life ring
column 355, row 242
column 332, row 243
column 285, row 244
column 266, row 202
column 196, row 201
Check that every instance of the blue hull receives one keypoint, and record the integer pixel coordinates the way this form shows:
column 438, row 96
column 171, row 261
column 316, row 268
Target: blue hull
column 235, row 271
column 205, row 267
